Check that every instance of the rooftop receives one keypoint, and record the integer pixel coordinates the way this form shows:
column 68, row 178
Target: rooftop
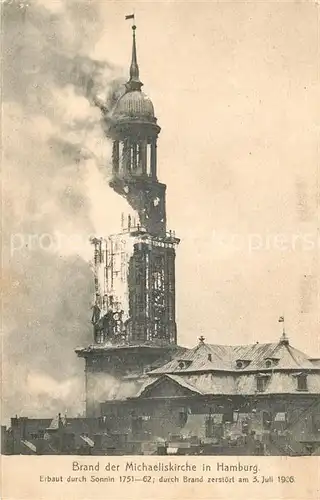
column 242, row 358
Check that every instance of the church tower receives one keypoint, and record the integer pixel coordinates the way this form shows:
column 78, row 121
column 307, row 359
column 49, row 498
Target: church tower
column 134, row 308
column 151, row 280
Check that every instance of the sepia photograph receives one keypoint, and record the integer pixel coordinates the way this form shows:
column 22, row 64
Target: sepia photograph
column 160, row 229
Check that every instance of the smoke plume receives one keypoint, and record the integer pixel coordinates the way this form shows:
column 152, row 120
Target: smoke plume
column 52, row 140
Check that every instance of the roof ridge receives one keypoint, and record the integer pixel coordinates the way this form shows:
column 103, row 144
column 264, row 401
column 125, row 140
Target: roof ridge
column 276, row 348
column 301, row 352
column 289, row 349
column 234, row 346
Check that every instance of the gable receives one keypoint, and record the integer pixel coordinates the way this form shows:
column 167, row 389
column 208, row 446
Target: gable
column 166, row 386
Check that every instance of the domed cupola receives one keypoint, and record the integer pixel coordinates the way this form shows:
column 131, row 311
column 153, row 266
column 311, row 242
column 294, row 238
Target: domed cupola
column 134, row 105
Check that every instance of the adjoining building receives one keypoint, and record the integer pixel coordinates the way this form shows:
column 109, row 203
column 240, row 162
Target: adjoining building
column 144, row 392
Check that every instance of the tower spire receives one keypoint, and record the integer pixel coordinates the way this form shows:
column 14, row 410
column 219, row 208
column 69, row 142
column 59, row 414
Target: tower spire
column 134, row 82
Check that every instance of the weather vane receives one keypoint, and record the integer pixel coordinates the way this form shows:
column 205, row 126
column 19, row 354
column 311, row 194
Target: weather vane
column 130, row 16
column 281, row 320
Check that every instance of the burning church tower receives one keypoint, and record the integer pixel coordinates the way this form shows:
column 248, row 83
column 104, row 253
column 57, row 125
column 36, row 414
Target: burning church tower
column 144, row 388
column 134, row 311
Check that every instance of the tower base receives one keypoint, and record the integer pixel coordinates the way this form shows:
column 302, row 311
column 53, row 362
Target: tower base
column 116, row 372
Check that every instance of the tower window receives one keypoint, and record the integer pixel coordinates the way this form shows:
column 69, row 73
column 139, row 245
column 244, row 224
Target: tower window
column 149, row 159
column 302, row 382
column 99, row 335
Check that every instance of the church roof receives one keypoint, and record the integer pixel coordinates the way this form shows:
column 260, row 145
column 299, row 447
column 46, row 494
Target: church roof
column 214, row 369
column 285, row 356
column 242, row 358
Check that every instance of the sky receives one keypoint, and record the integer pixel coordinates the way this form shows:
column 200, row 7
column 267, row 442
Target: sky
column 236, row 92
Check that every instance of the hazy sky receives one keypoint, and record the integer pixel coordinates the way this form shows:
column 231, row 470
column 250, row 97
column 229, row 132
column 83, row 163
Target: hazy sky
column 236, row 91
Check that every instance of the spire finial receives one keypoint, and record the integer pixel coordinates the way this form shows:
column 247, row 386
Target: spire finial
column 284, row 339
column 134, row 82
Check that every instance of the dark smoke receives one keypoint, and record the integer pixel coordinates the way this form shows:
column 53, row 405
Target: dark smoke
column 53, row 92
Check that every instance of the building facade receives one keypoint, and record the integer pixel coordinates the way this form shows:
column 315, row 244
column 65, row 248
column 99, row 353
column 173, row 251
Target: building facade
column 260, row 399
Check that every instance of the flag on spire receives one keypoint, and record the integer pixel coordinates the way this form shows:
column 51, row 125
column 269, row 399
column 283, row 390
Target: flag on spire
column 281, row 319
column 130, row 16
